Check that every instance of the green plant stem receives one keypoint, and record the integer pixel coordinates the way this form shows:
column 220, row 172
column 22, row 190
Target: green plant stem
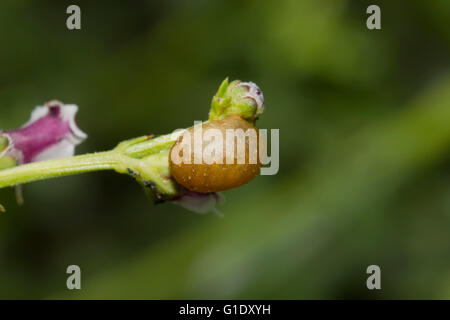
column 60, row 167
column 145, row 146
column 144, row 158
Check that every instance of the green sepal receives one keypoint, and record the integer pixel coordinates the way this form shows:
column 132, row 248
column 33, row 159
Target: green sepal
column 7, row 162
column 232, row 98
column 4, row 142
column 146, row 159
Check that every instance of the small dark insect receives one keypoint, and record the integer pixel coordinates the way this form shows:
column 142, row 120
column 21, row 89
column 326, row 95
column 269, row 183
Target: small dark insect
column 132, row 173
column 154, row 188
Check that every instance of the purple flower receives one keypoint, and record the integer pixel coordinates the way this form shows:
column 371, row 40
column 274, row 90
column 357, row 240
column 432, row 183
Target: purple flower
column 199, row 202
column 50, row 133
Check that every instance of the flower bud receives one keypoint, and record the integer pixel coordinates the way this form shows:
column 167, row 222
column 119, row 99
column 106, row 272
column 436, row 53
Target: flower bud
column 243, row 99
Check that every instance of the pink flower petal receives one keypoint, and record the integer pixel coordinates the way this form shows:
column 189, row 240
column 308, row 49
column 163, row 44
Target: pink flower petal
column 50, row 133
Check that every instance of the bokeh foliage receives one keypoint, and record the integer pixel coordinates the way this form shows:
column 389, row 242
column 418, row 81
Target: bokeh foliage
column 364, row 119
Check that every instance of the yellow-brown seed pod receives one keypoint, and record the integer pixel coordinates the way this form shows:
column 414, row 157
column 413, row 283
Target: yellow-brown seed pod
column 216, row 165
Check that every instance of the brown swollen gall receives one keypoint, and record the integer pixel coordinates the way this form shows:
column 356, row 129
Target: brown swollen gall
column 227, row 157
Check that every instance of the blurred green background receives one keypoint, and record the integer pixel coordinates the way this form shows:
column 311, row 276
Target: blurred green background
column 364, row 119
